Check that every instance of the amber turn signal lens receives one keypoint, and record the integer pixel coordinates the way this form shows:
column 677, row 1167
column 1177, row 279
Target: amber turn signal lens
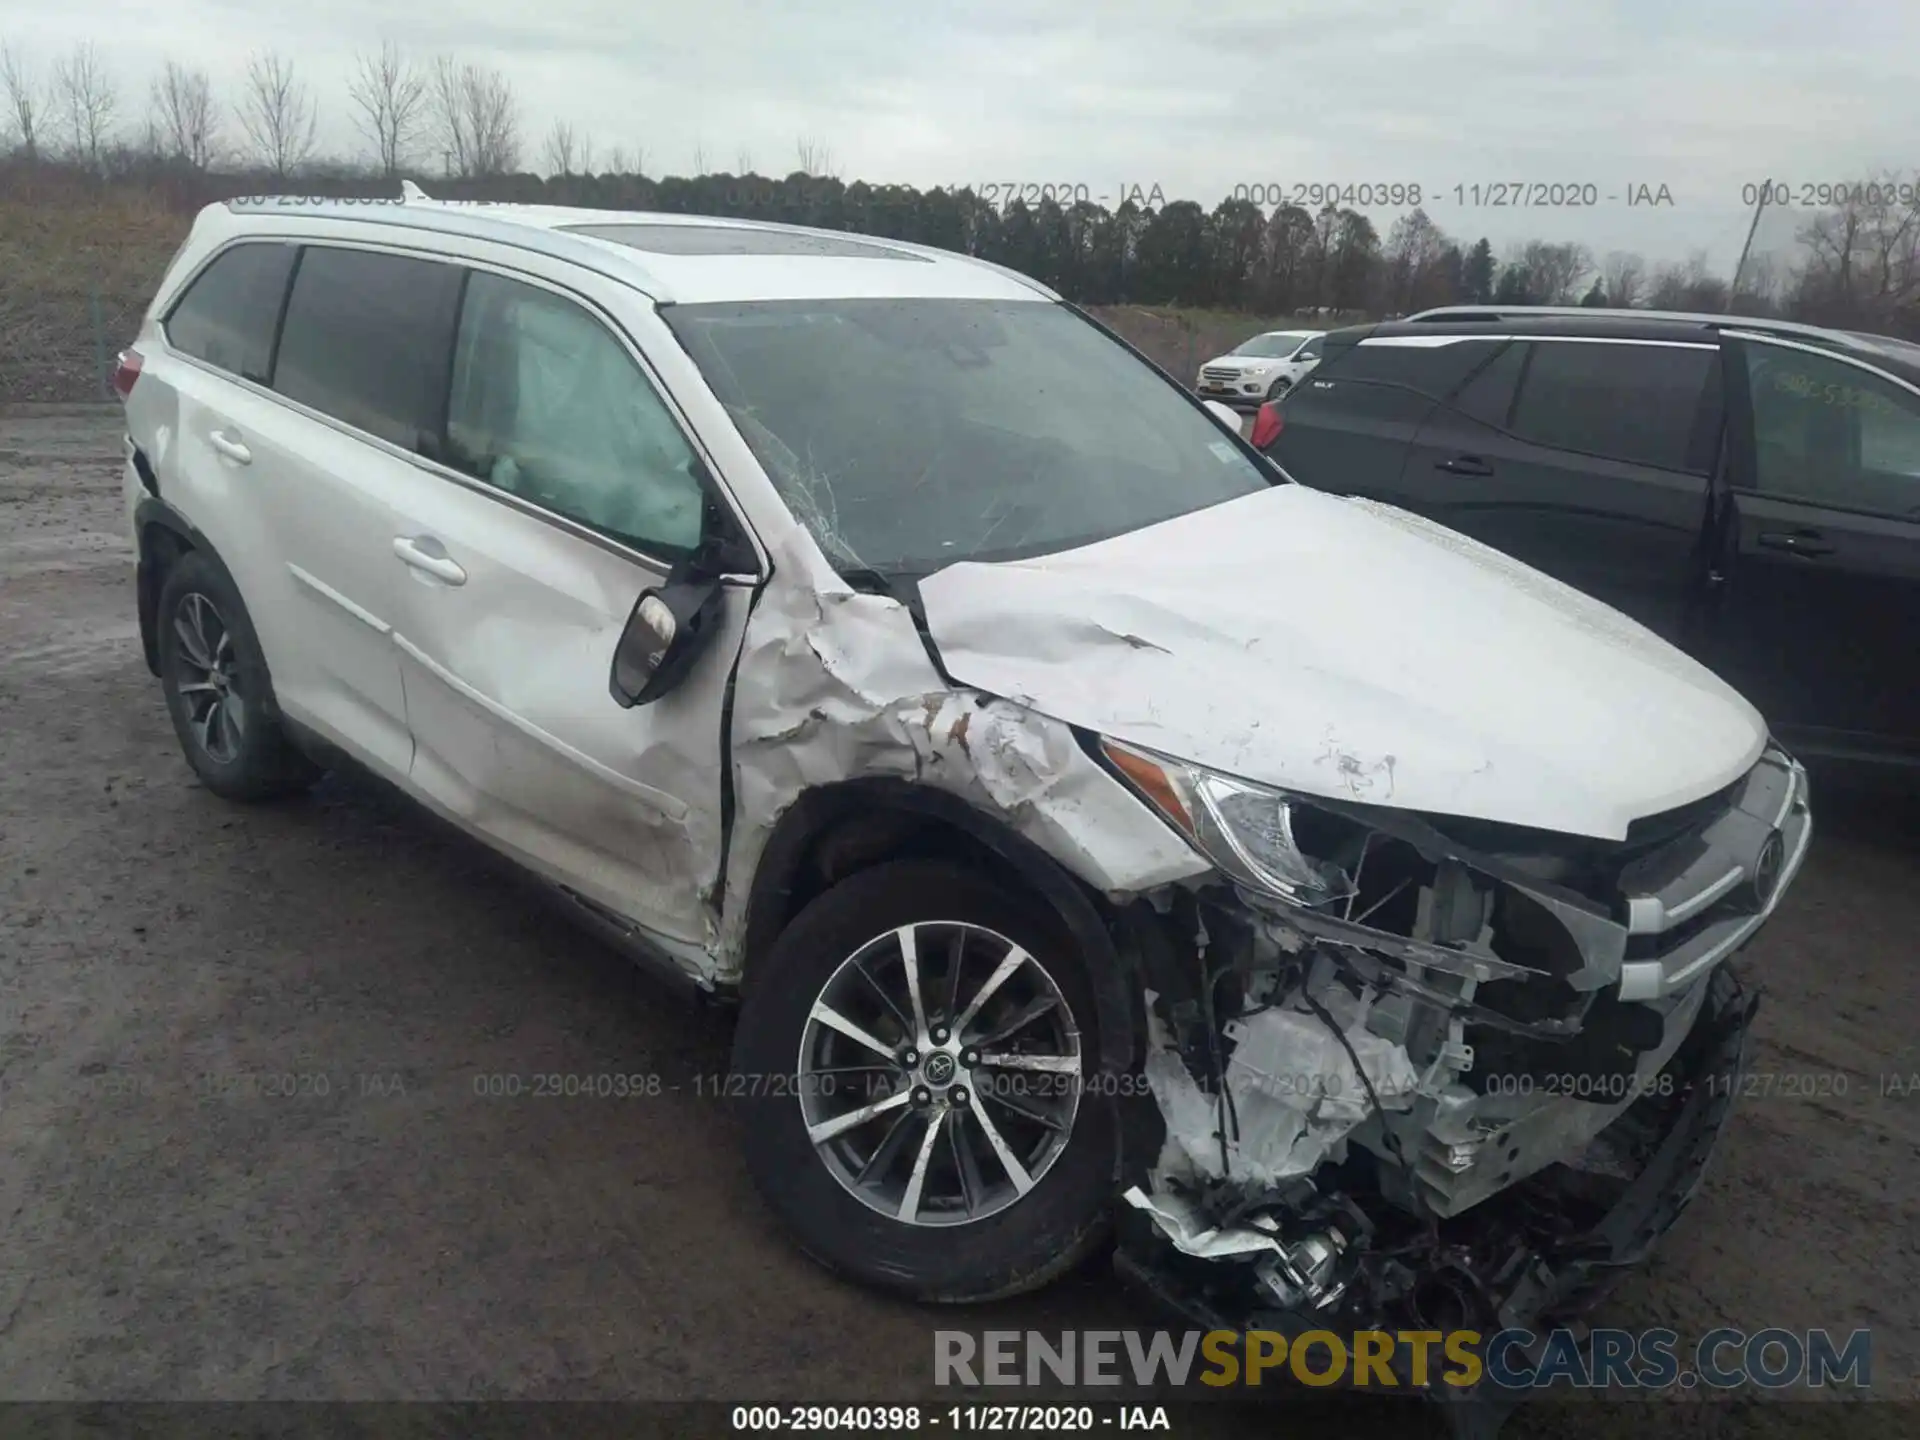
column 1151, row 781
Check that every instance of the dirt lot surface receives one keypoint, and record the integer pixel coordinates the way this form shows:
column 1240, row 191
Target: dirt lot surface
column 170, row 1228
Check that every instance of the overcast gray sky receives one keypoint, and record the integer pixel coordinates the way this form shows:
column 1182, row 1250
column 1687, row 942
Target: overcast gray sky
column 1701, row 96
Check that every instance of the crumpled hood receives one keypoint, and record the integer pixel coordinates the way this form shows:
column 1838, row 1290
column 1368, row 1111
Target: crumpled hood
column 1348, row 649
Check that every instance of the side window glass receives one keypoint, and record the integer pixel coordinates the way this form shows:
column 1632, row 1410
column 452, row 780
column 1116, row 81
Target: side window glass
column 1635, row 403
column 227, row 316
column 1432, row 370
column 1833, row 433
column 1309, row 351
column 547, row 405
column 366, row 341
column 1488, row 396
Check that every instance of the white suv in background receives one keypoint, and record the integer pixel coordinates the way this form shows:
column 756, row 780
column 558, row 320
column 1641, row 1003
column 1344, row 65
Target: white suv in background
column 1091, row 822
column 1261, row 369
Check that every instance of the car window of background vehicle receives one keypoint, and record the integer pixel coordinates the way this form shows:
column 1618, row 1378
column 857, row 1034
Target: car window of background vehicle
column 1269, row 347
column 547, row 405
column 366, row 340
column 1833, row 433
column 1488, row 396
column 1635, row 403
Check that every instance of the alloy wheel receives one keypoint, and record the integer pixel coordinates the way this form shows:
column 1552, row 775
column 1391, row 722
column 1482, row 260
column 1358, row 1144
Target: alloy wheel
column 939, row 1073
column 208, row 678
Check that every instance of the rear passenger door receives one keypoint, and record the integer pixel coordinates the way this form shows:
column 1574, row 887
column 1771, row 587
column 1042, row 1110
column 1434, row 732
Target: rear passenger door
column 362, row 360
column 1821, row 621
column 1588, row 459
column 570, row 486
column 199, row 425
column 1346, row 426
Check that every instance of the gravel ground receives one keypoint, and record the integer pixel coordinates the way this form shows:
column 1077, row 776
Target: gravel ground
column 171, row 1228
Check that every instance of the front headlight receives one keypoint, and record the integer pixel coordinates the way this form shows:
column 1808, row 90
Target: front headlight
column 1259, row 836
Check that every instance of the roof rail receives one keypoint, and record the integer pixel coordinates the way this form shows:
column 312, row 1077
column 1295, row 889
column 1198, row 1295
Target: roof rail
column 475, row 222
column 1442, row 314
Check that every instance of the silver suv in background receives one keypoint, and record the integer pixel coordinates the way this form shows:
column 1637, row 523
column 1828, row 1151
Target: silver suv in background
column 1261, row 369
column 1096, row 827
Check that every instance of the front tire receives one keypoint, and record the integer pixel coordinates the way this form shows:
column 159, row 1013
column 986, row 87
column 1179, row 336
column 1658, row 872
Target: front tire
column 1279, row 388
column 217, row 689
column 959, row 1159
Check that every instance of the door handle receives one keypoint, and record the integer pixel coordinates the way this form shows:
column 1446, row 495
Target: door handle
column 1464, row 465
column 425, row 553
column 1794, row 542
column 231, row 448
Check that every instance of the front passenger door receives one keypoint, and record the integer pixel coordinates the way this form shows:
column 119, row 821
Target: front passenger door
column 577, row 491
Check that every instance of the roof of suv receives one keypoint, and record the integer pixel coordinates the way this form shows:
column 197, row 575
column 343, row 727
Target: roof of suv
column 1900, row 357
column 1557, row 316
column 675, row 258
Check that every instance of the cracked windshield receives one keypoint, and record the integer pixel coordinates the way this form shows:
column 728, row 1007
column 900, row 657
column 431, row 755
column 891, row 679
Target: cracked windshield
column 907, row 434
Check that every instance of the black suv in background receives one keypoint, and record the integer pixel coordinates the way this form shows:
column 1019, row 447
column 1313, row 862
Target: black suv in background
column 1747, row 488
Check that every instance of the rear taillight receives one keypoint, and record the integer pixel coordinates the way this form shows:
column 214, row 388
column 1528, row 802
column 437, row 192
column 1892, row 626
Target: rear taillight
column 126, row 372
column 1266, row 426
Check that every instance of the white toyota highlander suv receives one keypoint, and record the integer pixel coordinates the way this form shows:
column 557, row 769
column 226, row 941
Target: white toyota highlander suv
column 1101, row 833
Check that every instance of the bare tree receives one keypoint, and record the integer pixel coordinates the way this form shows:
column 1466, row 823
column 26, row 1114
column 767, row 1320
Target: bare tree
column 85, row 101
column 1555, row 271
column 1689, row 287
column 1761, row 284
column 277, row 113
column 1622, row 273
column 561, row 150
column 25, row 99
column 743, row 163
column 390, row 97
column 1862, row 265
column 1415, row 246
column 185, row 121
column 699, row 158
column 814, row 157
column 622, row 161
column 477, row 117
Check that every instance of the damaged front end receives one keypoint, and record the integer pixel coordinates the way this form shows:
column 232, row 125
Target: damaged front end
column 1427, row 1073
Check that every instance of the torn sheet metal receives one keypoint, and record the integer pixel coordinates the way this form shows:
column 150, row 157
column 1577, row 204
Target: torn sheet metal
column 1295, row 638
column 836, row 685
column 1295, row 1094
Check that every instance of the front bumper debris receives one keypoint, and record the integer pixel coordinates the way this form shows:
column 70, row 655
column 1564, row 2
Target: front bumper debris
column 1535, row 1256
column 1463, row 1096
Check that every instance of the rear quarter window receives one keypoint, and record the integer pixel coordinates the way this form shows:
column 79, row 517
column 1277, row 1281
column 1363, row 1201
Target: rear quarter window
column 368, row 339
column 1431, row 370
column 228, row 313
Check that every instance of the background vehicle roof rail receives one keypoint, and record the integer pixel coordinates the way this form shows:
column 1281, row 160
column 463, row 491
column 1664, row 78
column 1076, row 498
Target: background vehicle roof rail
column 1492, row 314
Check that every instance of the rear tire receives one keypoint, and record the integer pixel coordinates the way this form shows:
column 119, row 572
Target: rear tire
column 218, row 692
column 1016, row 1239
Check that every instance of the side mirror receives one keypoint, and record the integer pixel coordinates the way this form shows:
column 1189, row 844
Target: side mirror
column 1225, row 414
column 669, row 626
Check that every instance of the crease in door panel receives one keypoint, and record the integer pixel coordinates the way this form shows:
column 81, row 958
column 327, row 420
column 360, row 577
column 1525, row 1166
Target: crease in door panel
column 674, row 809
column 327, row 592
